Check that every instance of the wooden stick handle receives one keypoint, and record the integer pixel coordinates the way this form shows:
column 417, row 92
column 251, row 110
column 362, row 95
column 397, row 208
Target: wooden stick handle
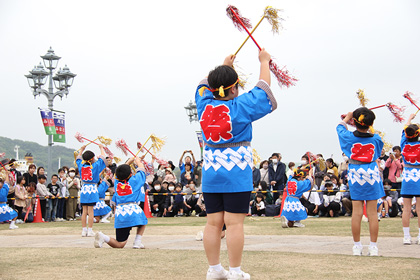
column 252, row 32
column 142, row 146
column 247, row 31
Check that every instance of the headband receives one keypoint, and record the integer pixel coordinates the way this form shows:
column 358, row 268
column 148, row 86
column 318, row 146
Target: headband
column 221, row 89
column 416, row 134
column 360, row 120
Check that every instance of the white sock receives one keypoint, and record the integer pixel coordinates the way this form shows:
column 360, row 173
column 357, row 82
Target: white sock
column 84, row 229
column 12, row 223
column 235, row 269
column 358, row 244
column 90, row 229
column 138, row 238
column 105, row 237
column 217, row 267
column 419, row 231
column 106, row 216
column 406, row 231
column 372, row 244
column 94, row 220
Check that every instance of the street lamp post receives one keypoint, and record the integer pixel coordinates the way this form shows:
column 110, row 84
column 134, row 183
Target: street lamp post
column 192, row 114
column 63, row 80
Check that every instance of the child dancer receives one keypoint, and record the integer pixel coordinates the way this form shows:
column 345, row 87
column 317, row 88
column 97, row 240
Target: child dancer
column 101, row 209
column 129, row 191
column 365, row 182
column 293, row 210
column 6, row 213
column 89, row 171
column 226, row 120
column 410, row 188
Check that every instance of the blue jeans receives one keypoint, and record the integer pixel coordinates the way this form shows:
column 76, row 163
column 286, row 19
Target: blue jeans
column 60, row 208
column 51, row 210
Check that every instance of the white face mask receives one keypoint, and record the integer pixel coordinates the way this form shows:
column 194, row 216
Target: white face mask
column 304, row 162
column 157, row 188
column 346, row 158
column 171, row 188
column 72, row 174
column 192, row 185
column 259, row 187
column 265, row 166
column 274, row 160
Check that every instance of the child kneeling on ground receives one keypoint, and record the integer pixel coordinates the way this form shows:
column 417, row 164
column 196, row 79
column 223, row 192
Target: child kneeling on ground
column 128, row 213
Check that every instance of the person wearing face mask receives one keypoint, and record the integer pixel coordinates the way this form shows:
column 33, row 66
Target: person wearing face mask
column 277, row 174
column 264, row 172
column 73, row 184
column 169, row 201
column 191, row 198
column 158, row 199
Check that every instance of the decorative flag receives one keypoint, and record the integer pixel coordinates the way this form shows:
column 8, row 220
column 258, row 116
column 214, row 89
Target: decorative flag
column 200, row 142
column 60, row 129
column 47, row 120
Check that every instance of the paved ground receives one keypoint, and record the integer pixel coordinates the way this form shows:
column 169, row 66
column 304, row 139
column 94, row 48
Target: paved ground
column 388, row 246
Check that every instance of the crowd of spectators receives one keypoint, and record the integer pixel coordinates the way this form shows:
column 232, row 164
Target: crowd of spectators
column 174, row 195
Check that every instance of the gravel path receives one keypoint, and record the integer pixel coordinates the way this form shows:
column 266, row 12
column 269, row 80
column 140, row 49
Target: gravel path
column 388, row 246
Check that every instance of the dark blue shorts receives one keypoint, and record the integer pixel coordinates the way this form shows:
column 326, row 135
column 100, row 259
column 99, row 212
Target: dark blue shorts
column 89, row 204
column 228, row 202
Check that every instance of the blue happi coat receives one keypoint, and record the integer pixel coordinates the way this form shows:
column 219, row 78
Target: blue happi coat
column 101, row 209
column 127, row 196
column 89, row 175
column 293, row 209
column 6, row 213
column 411, row 173
column 364, row 179
column 227, row 133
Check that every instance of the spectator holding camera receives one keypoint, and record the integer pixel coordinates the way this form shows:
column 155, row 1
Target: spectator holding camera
column 187, row 160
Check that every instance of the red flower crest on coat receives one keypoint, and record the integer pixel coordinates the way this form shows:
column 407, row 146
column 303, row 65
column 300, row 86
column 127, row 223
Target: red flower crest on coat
column 291, row 187
column 363, row 153
column 411, row 153
column 87, row 173
column 216, row 123
column 124, row 189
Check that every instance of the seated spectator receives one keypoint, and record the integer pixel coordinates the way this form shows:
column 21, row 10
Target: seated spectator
column 158, row 201
column 389, row 207
column 268, row 197
column 178, row 206
column 191, row 198
column 311, row 201
column 258, row 207
column 332, row 167
column 200, row 207
column 332, row 201
column 169, row 201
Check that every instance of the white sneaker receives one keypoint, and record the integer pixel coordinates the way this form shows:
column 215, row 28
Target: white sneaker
column 357, row 250
column 13, row 227
column 373, row 251
column 418, row 240
column 138, row 245
column 90, row 233
column 407, row 240
column 298, row 224
column 104, row 221
column 99, row 240
column 199, row 236
column 365, row 219
column 19, row 221
column 216, row 274
column 84, row 233
column 241, row 275
column 284, row 222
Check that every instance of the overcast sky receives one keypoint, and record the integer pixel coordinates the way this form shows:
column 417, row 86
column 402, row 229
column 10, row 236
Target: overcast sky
column 138, row 64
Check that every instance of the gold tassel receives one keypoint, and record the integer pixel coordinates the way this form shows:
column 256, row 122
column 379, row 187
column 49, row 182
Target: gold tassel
column 117, row 159
column 157, row 142
column 221, row 92
column 255, row 157
column 271, row 14
column 104, row 140
column 362, row 98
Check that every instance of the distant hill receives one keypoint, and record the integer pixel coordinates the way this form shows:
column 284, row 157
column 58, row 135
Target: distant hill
column 39, row 153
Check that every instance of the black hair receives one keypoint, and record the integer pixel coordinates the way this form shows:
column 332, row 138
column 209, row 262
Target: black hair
column 263, row 185
column 366, row 121
column 396, row 148
column 60, row 170
column 329, row 183
column 122, row 172
column 300, row 173
column 291, row 164
column 305, row 156
column 332, row 161
column 275, row 155
column 189, row 182
column 171, row 184
column 19, row 179
column 188, row 164
column 54, row 175
column 222, row 75
column 387, row 182
column 260, row 196
column 156, row 183
column 410, row 132
column 42, row 177
column 88, row 155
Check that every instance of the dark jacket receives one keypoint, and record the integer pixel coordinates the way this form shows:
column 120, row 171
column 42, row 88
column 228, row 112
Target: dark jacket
column 279, row 175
